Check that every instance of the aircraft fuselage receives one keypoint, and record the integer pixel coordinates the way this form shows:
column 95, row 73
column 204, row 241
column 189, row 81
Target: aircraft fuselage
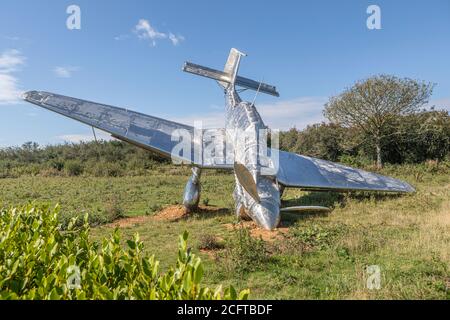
column 242, row 117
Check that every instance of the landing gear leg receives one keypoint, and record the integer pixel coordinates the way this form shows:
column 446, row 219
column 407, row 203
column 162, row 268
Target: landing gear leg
column 191, row 196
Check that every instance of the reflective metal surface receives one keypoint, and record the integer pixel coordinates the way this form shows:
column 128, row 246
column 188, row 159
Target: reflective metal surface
column 256, row 195
column 247, row 181
column 225, row 78
column 143, row 130
column 315, row 174
column 244, row 117
column 192, row 190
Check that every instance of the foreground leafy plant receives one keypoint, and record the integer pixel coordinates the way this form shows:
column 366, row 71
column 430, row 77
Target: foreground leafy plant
column 40, row 260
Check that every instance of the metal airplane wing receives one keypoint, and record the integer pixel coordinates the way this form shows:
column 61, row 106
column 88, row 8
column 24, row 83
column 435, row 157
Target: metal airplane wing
column 155, row 134
column 148, row 132
column 315, row 174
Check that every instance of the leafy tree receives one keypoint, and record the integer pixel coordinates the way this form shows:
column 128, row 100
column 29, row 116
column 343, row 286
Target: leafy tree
column 288, row 139
column 419, row 137
column 373, row 104
column 322, row 140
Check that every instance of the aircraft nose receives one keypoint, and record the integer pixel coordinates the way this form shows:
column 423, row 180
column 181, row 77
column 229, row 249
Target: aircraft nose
column 266, row 214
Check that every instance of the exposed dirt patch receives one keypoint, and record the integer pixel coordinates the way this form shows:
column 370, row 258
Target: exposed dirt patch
column 171, row 214
column 128, row 222
column 175, row 213
column 257, row 232
column 179, row 212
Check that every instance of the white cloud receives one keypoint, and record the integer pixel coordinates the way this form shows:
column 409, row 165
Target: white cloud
column 146, row 31
column 297, row 113
column 9, row 91
column 439, row 104
column 175, row 39
column 10, row 61
column 207, row 119
column 77, row 138
column 65, row 72
column 281, row 115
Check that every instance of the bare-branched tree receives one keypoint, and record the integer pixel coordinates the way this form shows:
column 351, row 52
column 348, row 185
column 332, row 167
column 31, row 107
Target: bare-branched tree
column 372, row 104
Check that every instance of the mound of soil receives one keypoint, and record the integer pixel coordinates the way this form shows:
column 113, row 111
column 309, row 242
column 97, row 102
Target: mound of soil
column 128, row 222
column 257, row 232
column 172, row 213
column 178, row 212
column 175, row 213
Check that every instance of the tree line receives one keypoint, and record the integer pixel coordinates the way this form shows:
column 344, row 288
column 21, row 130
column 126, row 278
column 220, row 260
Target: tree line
column 102, row 158
column 413, row 138
column 377, row 120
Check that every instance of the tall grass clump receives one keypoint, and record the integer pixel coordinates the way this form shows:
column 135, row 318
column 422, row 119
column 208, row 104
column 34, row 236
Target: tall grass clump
column 243, row 253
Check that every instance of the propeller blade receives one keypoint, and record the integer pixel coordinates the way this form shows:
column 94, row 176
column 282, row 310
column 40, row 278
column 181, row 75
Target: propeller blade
column 246, row 180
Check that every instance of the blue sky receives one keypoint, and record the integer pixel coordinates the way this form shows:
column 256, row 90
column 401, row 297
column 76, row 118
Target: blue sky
column 310, row 50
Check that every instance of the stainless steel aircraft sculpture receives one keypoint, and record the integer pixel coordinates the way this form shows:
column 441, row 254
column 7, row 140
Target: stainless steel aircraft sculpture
column 257, row 195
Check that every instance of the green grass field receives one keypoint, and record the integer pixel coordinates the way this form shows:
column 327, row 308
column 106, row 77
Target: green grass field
column 316, row 257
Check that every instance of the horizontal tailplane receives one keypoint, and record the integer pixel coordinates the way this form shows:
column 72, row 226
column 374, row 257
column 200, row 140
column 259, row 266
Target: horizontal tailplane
column 223, row 77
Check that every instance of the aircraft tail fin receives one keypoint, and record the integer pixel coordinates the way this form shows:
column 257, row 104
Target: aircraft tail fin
column 229, row 78
column 232, row 66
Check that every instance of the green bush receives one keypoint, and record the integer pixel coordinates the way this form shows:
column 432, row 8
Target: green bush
column 73, row 168
column 38, row 260
column 209, row 242
column 104, row 169
column 113, row 170
column 113, row 209
column 96, row 217
column 358, row 161
column 243, row 253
